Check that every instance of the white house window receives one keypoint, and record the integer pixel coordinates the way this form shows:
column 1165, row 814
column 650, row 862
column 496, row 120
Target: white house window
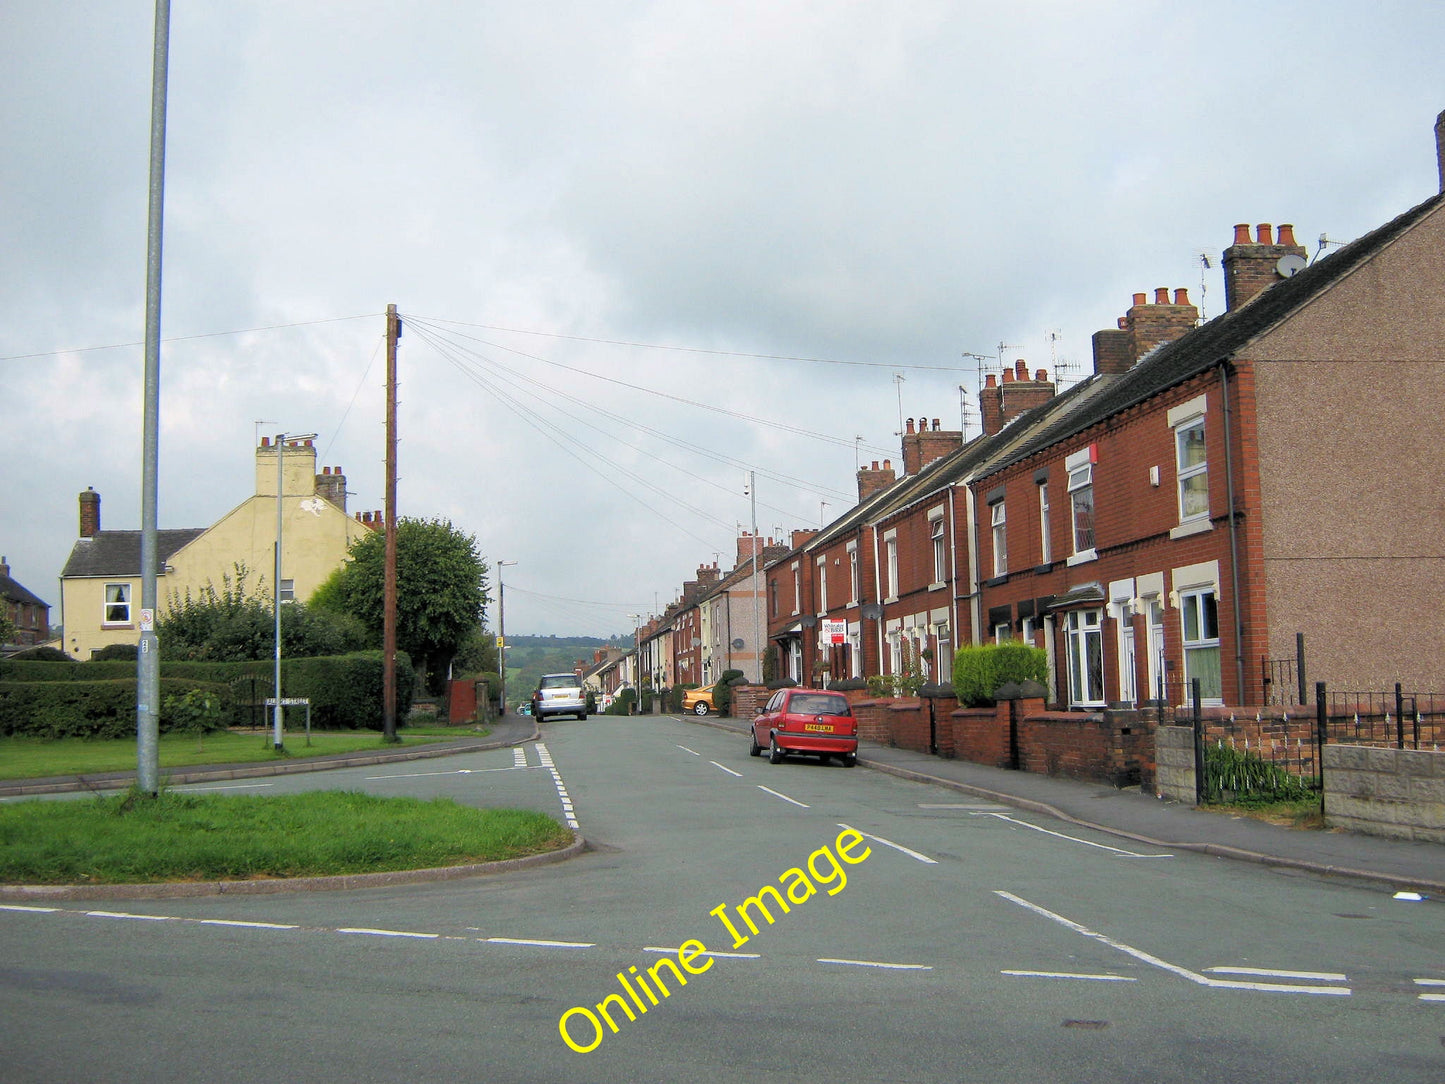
column 1081, row 501
column 1199, row 615
column 854, row 579
column 1086, row 657
column 890, row 544
column 1193, row 471
column 117, row 604
column 288, row 591
column 797, row 589
column 1046, row 548
column 940, row 550
column 1000, row 540
column 822, row 586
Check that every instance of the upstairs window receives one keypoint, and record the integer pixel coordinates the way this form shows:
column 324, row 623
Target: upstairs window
column 940, row 550
column 1193, row 473
column 1081, row 500
column 822, row 586
column 890, row 544
column 117, row 604
column 1046, row 547
column 854, row 579
column 1000, row 539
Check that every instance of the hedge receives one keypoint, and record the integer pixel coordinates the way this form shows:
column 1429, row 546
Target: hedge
column 97, row 699
column 979, row 670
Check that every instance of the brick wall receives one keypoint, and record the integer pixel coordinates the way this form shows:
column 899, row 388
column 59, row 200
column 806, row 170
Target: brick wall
column 1101, row 746
column 1386, row 792
column 873, row 716
column 748, row 701
column 980, row 735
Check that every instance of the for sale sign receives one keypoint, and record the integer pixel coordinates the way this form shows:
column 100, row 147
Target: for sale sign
column 834, row 632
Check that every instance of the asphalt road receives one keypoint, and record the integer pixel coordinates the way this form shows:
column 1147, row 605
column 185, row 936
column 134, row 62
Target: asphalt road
column 973, row 943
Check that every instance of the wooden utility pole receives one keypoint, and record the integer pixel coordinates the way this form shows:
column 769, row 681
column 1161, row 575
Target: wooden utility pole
column 388, row 604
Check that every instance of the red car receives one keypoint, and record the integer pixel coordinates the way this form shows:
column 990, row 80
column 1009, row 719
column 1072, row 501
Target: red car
column 808, row 721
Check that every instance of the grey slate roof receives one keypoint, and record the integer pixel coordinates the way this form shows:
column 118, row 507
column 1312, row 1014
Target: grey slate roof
column 117, row 553
column 15, row 591
column 1220, row 339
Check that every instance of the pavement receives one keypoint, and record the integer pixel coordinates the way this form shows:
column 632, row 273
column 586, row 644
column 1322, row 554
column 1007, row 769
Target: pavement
column 1402, row 865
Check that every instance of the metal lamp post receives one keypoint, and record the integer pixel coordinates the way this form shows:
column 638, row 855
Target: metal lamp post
column 502, row 636
column 281, row 439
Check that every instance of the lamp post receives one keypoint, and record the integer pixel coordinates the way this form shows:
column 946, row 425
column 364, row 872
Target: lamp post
column 502, row 636
column 281, row 439
column 636, row 661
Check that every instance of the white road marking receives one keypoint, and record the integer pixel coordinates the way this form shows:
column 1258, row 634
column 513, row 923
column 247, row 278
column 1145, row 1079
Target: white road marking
column 784, row 797
column 1430, row 982
column 537, row 943
column 875, row 963
column 20, row 907
column 976, row 807
column 715, row 764
column 388, row 933
column 455, row 771
column 889, row 843
column 1266, row 973
column 1074, row 839
column 685, row 749
column 1155, row 961
column 230, row 786
column 1430, row 997
column 1069, row 975
column 519, row 757
column 568, row 814
column 709, row 952
column 123, row 914
column 248, row 925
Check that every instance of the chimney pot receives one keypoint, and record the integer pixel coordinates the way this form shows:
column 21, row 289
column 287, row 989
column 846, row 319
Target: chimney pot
column 1241, row 233
column 875, row 465
column 935, row 425
column 908, row 428
column 265, row 442
column 1041, row 376
column 1140, row 299
column 989, row 381
column 1021, row 369
column 1263, row 233
column 1286, row 234
column 1181, row 297
column 1161, row 295
column 1008, row 376
column 1123, row 322
column 888, row 464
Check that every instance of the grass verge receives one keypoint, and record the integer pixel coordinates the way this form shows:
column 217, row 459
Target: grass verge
column 32, row 758
column 123, row 839
column 1290, row 813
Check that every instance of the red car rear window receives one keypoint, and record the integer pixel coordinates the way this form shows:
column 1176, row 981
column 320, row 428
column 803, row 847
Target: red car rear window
column 818, row 704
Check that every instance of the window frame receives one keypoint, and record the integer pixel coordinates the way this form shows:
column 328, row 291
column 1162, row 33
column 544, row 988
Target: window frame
column 1084, row 650
column 1201, row 644
column 940, row 548
column 1046, row 545
column 822, row 564
column 1080, row 468
column 890, row 549
column 125, row 590
column 998, row 517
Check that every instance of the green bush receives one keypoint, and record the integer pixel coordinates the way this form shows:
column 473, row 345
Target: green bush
column 345, row 690
column 979, row 670
column 622, row 702
column 675, row 695
column 105, row 709
column 116, row 653
column 722, row 695
column 1247, row 778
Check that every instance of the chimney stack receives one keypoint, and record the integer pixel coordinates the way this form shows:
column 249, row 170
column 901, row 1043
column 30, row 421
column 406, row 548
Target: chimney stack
column 923, row 446
column 872, row 479
column 89, row 513
column 331, row 485
column 1146, row 326
column 1001, row 401
column 1251, row 267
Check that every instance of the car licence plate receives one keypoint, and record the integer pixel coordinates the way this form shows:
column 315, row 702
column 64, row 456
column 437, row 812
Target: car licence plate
column 819, row 727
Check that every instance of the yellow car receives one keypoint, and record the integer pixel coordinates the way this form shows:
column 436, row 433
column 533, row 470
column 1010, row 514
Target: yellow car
column 700, row 701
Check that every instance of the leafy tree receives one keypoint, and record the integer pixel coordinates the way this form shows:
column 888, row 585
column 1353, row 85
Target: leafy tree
column 238, row 623
column 441, row 590
column 7, row 629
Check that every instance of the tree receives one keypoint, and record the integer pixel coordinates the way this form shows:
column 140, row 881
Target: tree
column 441, row 591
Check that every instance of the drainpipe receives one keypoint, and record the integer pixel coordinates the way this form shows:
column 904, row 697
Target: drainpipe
column 976, row 595
column 1233, row 537
column 878, row 594
column 953, row 570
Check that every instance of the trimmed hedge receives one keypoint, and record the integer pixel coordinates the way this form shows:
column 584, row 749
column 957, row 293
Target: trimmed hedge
column 979, row 670
column 97, row 699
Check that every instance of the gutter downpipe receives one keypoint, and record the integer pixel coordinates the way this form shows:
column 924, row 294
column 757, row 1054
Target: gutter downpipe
column 1233, row 535
column 976, row 597
column 953, row 568
column 878, row 594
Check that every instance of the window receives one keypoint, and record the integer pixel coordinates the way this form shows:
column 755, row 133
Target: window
column 890, row 542
column 854, row 579
column 1081, row 503
column 822, row 586
column 797, row 589
column 1002, row 633
column 288, row 590
column 940, row 550
column 1193, row 471
column 1046, row 548
column 117, row 604
column 1000, row 540
column 1086, row 657
column 1199, row 615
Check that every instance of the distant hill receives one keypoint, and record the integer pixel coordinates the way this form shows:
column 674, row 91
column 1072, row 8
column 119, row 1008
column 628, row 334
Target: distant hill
column 529, row 657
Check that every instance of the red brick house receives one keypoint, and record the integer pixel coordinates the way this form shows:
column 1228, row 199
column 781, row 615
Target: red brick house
column 27, row 612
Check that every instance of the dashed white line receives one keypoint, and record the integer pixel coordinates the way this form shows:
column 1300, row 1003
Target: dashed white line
column 1430, row 983
column 21, row 907
column 889, row 843
column 124, row 914
column 568, row 814
column 1069, row 975
column 725, row 768
column 878, row 964
column 685, row 749
column 388, row 933
column 230, row 786
column 784, row 797
column 247, row 925
column 1155, row 961
column 1262, row 972
column 1073, row 839
column 709, row 952
column 538, row 943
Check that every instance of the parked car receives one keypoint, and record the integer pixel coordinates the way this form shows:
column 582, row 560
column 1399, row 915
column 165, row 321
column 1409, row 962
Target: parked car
column 559, row 694
column 808, row 721
column 700, row 701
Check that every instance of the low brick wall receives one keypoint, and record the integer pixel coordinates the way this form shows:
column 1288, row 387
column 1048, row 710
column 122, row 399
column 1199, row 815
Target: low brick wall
column 1386, row 792
column 908, row 724
column 873, row 720
column 980, row 735
column 748, row 701
column 1102, row 746
column 1174, row 764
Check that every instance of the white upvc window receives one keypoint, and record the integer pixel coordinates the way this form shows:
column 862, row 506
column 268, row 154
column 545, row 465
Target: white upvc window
column 1000, row 539
column 1193, row 471
column 890, row 546
column 1086, row 657
column 1199, row 618
column 855, row 580
column 797, row 588
column 117, row 604
column 1080, row 466
column 940, row 549
column 1046, row 546
column 822, row 586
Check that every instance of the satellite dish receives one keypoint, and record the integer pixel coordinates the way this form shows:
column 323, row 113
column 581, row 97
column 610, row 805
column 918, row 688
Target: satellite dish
column 871, row 611
column 1290, row 264
column 738, row 644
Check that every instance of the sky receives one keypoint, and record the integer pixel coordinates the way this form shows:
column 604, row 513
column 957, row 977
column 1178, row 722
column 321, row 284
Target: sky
column 640, row 249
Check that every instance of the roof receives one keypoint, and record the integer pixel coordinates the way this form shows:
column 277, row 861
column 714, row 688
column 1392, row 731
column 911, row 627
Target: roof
column 1219, row 340
column 15, row 591
column 117, row 553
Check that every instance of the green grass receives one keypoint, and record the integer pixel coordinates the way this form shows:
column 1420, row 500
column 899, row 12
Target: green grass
column 32, row 758
column 130, row 838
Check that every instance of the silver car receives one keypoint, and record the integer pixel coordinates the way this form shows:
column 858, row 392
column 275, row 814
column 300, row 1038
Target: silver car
column 559, row 694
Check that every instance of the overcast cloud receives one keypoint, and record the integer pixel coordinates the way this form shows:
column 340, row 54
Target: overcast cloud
column 885, row 184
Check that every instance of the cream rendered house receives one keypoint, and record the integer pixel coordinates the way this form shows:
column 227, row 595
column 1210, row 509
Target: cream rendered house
column 100, row 586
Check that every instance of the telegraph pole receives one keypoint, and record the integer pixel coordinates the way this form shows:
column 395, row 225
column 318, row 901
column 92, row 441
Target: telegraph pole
column 148, row 665
column 757, row 578
column 388, row 603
